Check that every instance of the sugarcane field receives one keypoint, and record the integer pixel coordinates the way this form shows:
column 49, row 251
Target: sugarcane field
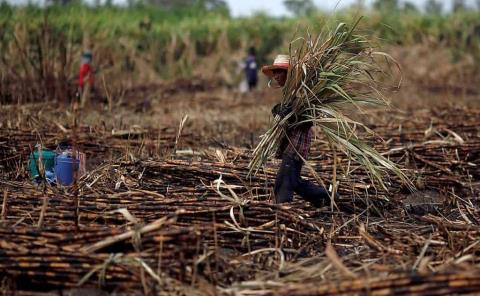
column 210, row 147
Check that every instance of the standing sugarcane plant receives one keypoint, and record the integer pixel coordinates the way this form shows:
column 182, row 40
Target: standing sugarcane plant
column 329, row 74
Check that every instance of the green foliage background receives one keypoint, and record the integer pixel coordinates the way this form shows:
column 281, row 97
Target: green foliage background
column 172, row 43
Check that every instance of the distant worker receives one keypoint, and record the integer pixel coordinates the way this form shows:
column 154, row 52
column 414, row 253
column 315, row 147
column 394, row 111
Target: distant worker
column 86, row 76
column 251, row 69
column 86, row 80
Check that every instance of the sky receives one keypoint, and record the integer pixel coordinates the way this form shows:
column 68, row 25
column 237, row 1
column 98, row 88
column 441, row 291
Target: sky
column 276, row 8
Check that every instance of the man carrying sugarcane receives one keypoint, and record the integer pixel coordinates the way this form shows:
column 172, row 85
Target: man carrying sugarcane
column 294, row 148
column 324, row 77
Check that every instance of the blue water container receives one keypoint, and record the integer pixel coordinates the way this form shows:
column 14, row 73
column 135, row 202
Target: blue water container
column 65, row 168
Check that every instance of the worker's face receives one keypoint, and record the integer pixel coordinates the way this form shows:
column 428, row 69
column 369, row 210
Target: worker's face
column 280, row 76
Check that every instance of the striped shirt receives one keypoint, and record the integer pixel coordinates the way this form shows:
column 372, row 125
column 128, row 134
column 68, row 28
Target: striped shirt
column 297, row 143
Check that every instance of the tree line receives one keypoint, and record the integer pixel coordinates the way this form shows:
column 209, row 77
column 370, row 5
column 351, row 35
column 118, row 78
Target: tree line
column 295, row 7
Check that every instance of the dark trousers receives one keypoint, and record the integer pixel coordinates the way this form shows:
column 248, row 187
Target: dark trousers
column 252, row 84
column 289, row 181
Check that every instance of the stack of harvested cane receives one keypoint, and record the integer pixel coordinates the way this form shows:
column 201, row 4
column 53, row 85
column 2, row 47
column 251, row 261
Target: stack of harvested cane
column 328, row 74
column 223, row 242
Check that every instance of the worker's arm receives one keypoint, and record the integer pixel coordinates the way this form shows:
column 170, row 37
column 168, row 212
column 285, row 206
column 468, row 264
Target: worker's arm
column 285, row 110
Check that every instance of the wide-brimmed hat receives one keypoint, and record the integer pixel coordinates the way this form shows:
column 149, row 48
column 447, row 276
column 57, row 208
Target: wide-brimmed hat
column 282, row 61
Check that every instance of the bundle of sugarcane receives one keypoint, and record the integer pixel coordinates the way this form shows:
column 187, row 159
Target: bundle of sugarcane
column 327, row 75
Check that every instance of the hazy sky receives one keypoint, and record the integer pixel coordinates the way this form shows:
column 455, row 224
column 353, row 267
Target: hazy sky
column 275, row 7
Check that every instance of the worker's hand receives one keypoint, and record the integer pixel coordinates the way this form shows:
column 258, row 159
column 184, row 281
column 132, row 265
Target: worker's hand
column 276, row 110
column 281, row 111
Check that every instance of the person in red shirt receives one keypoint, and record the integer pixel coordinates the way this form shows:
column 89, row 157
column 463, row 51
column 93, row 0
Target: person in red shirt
column 86, row 72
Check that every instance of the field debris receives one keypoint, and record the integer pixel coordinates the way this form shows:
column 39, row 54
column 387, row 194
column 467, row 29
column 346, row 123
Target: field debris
column 198, row 222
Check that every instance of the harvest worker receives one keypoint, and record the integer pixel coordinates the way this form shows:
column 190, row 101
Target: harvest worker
column 251, row 69
column 294, row 147
column 86, row 72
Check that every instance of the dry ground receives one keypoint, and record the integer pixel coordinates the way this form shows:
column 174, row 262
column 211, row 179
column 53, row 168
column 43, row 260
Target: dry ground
column 187, row 232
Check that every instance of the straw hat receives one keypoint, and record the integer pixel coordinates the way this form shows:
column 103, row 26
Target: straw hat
column 282, row 61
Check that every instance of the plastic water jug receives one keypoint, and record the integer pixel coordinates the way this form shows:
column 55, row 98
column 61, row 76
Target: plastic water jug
column 65, row 168
column 48, row 160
